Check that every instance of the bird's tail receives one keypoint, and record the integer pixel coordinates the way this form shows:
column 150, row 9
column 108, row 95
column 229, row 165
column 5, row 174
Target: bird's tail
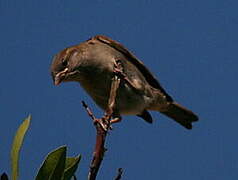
column 180, row 114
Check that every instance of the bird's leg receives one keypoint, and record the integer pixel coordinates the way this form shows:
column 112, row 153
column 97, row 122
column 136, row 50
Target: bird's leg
column 108, row 117
column 106, row 121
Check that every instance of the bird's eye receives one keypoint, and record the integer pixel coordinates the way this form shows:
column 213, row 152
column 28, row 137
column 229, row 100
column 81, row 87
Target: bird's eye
column 64, row 62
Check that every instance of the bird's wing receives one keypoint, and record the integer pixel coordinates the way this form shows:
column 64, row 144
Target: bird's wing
column 141, row 67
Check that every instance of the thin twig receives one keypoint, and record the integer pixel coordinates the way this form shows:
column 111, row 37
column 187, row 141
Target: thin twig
column 75, row 178
column 88, row 111
column 119, row 173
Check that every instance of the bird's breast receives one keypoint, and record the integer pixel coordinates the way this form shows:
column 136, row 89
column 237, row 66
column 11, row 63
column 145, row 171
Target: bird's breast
column 127, row 100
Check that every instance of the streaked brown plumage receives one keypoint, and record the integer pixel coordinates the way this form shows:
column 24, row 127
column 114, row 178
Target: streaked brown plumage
column 91, row 63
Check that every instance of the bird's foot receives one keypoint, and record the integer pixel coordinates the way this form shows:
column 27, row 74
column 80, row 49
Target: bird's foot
column 106, row 125
column 118, row 71
column 116, row 120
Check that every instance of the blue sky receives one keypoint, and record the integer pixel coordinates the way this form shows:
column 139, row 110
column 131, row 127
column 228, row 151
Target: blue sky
column 191, row 46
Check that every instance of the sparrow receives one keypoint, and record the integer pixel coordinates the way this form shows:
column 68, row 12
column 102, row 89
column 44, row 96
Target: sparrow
column 92, row 64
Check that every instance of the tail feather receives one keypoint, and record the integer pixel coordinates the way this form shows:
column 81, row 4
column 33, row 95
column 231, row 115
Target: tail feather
column 181, row 115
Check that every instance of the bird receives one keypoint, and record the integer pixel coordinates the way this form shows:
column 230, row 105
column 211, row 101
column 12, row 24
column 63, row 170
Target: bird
column 92, row 64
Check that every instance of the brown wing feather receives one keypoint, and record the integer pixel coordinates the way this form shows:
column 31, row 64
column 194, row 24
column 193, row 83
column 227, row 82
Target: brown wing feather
column 142, row 68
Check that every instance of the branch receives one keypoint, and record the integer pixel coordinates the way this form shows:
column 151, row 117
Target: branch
column 102, row 126
column 99, row 146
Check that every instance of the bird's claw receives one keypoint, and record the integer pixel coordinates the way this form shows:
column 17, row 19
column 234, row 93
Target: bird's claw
column 118, row 71
column 104, row 125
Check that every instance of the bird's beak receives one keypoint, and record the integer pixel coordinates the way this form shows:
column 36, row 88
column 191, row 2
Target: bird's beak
column 59, row 77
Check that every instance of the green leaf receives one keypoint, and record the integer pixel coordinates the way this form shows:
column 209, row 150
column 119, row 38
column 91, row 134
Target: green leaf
column 53, row 166
column 71, row 166
column 16, row 146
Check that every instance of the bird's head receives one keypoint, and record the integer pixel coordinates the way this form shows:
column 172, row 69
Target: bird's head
column 65, row 66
